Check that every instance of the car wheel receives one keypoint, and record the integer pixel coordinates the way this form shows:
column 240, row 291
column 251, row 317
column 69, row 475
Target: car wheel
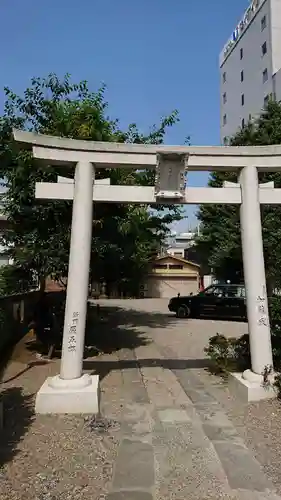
column 183, row 312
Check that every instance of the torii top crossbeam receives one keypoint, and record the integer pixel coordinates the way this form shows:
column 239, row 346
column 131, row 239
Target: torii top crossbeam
column 62, row 151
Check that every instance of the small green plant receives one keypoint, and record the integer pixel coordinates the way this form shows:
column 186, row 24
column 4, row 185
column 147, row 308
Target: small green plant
column 268, row 370
column 220, row 353
column 277, row 385
column 228, row 354
column 233, row 354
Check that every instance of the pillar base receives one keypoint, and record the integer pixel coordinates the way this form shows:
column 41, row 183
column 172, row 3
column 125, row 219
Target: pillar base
column 77, row 396
column 249, row 387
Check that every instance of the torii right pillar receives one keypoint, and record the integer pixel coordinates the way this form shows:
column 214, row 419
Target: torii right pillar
column 256, row 292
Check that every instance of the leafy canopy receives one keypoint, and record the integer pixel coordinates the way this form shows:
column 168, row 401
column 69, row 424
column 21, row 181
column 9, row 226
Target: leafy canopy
column 220, row 242
column 124, row 236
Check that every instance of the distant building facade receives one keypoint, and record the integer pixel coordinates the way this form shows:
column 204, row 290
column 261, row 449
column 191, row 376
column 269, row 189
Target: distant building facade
column 250, row 66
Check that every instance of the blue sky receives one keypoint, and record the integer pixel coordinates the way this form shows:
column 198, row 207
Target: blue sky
column 153, row 55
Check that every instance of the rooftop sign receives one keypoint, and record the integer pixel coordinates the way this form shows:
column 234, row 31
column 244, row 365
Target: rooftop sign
column 240, row 28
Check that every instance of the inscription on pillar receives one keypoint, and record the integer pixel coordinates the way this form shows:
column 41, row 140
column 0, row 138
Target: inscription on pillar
column 72, row 340
column 262, row 309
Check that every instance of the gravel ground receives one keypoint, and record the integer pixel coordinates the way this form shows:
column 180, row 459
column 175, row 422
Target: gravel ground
column 52, row 457
column 60, row 458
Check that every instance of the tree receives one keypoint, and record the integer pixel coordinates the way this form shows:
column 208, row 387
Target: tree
column 220, row 241
column 124, row 237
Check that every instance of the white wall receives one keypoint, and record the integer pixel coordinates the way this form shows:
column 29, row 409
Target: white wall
column 177, row 252
column 253, row 64
column 275, row 33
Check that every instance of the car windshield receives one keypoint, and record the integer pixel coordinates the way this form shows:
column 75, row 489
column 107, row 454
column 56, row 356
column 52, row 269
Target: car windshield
column 215, row 291
column 236, row 291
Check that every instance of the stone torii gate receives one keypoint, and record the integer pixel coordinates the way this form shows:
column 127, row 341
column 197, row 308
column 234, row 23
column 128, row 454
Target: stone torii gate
column 75, row 392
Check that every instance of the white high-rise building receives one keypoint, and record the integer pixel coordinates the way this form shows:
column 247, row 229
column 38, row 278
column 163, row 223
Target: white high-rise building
column 250, row 66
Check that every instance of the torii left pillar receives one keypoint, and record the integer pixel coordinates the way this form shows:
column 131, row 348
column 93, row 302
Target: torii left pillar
column 72, row 391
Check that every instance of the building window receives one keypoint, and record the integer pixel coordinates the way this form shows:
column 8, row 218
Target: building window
column 268, row 97
column 250, row 117
column 243, row 123
column 264, row 48
column 178, row 254
column 265, row 75
column 265, row 101
column 241, row 53
column 160, row 266
column 175, row 266
column 242, row 100
column 263, row 23
column 224, row 98
column 224, row 77
column 242, row 76
column 225, row 141
column 224, row 120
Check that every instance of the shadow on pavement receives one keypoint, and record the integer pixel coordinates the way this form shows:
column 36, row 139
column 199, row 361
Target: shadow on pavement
column 18, row 415
column 114, row 328
column 103, row 368
column 111, row 328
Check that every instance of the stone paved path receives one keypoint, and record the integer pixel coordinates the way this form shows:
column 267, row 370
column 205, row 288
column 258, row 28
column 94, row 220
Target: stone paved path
column 176, row 441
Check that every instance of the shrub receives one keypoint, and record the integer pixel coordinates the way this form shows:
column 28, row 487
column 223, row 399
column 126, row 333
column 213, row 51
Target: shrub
column 277, row 385
column 228, row 354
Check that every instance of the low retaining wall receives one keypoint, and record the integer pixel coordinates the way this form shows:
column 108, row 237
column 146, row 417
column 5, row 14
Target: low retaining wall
column 15, row 313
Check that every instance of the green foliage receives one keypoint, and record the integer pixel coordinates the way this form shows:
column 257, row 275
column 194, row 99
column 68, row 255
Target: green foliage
column 277, row 385
column 124, row 237
column 228, row 354
column 275, row 322
column 233, row 354
column 220, row 243
column 16, row 280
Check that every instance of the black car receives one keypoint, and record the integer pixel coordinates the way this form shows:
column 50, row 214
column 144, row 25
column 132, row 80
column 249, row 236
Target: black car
column 217, row 301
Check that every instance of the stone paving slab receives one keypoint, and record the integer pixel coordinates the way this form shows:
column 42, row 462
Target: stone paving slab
column 161, row 383
column 173, row 416
column 135, row 466
column 185, row 468
column 130, row 495
column 255, row 495
column 228, row 434
column 132, row 377
column 242, row 470
column 137, row 422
